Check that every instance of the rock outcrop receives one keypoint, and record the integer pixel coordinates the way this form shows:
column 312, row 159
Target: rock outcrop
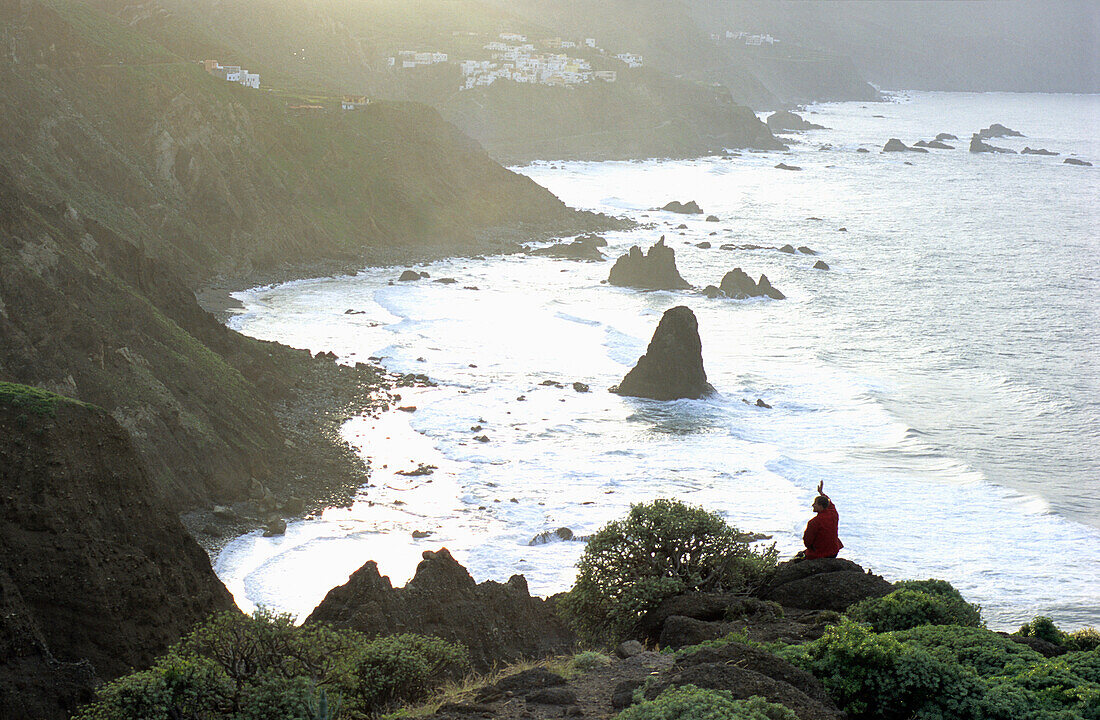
column 824, row 584
column 785, row 166
column 945, row 136
column 497, row 622
column 581, row 248
column 821, row 265
column 1075, row 161
column 737, row 284
column 895, row 145
column 786, row 121
column 1036, row 151
column 97, row 575
column 977, row 146
column 997, row 130
column 653, row 270
column 933, row 144
column 672, row 367
column 689, row 208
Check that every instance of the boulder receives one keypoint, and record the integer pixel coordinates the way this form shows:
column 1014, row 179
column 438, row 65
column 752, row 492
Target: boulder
column 1075, row 161
column 578, row 249
column 821, row 265
column 760, row 661
column 737, row 284
column 895, row 145
column 705, row 245
column 549, row 536
column 977, row 146
column 697, row 606
column 805, row 250
column 409, row 276
column 580, row 387
column 824, row 584
column 934, row 144
column 497, row 622
column 743, row 683
column 689, row 208
column 275, row 527
column 712, row 292
column 862, row 150
column 997, row 130
column 672, row 367
column 786, row 121
column 945, row 136
column 653, row 270
column 1036, row 151
column 681, row 631
column 788, row 249
column 712, row 218
column 629, row 649
column 785, row 166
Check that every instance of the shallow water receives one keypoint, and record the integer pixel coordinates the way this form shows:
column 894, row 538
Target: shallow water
column 941, row 378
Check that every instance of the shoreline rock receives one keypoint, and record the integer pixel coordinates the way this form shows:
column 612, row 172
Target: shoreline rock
column 653, row 270
column 738, row 285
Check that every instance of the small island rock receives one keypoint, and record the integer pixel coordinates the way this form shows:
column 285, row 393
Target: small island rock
column 672, row 367
column 654, row 270
column 787, row 121
column 997, row 130
column 689, row 208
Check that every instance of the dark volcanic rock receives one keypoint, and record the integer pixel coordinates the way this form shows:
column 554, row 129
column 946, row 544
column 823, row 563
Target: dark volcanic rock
column 549, row 536
column 945, row 136
column 682, row 631
column 1036, row 151
column 1075, row 161
column 934, row 144
column 497, row 622
column 738, row 285
column 409, row 275
column 786, row 121
column 805, row 250
column 697, row 606
column 821, row 265
column 712, row 218
column 580, row 249
column 712, row 292
column 672, row 366
column 862, row 150
column 824, row 584
column 689, row 208
column 744, row 683
column 97, row 574
column 895, row 145
column 760, row 661
column 977, row 146
column 785, row 166
column 705, row 245
column 654, row 270
column 788, row 249
column 997, row 130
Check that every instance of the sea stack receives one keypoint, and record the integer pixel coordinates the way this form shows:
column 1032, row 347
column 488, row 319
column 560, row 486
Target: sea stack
column 654, row 270
column 672, row 367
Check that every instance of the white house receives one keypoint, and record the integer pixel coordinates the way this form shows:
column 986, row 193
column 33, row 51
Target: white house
column 630, row 59
column 590, row 42
column 512, row 37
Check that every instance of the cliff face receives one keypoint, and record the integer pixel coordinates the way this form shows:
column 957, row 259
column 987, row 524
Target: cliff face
column 98, row 574
column 642, row 114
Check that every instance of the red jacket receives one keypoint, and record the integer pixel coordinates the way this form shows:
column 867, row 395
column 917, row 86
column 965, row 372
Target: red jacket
column 821, row 537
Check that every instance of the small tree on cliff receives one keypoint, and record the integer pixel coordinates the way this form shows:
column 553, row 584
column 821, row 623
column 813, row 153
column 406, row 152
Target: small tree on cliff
column 659, row 550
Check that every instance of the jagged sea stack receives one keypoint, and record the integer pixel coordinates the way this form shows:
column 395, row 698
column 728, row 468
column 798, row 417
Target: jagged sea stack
column 654, row 270
column 672, row 367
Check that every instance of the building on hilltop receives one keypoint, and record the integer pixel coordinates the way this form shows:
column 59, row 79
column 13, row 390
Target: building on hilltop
column 631, row 59
column 232, row 73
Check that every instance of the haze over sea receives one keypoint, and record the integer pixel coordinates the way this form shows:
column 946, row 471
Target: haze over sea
column 941, row 377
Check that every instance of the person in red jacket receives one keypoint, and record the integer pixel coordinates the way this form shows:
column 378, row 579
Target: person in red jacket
column 821, row 538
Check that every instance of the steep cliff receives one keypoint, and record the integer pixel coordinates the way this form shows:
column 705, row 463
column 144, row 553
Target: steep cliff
column 98, row 574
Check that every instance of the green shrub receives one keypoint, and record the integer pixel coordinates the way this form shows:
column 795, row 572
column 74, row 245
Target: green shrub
column 1043, row 628
column 915, row 603
column 692, row 703
column 1083, row 639
column 985, row 652
column 873, row 675
column 590, row 660
column 236, row 667
column 398, row 668
column 659, row 550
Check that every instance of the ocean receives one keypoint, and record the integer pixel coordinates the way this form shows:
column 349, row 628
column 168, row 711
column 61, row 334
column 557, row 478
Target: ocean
column 941, row 377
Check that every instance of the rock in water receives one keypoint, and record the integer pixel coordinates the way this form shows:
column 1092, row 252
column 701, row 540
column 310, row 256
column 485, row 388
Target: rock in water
column 945, row 136
column 582, row 248
column 1036, row 151
column 785, row 166
column 998, row 130
column 654, row 270
column 689, row 208
column 672, row 367
column 737, row 284
column 821, row 265
column 977, row 146
column 409, row 276
column 1075, row 161
column 784, row 120
column 894, row 145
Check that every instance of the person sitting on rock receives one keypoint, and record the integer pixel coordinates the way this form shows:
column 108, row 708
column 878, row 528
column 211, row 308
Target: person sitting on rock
column 821, row 538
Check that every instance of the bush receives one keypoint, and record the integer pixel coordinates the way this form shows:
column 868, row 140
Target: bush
column 915, row 603
column 692, row 703
column 590, row 660
column 659, row 550
column 876, row 676
column 985, row 652
column 398, row 668
column 236, row 667
column 1043, row 628
column 1084, row 639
